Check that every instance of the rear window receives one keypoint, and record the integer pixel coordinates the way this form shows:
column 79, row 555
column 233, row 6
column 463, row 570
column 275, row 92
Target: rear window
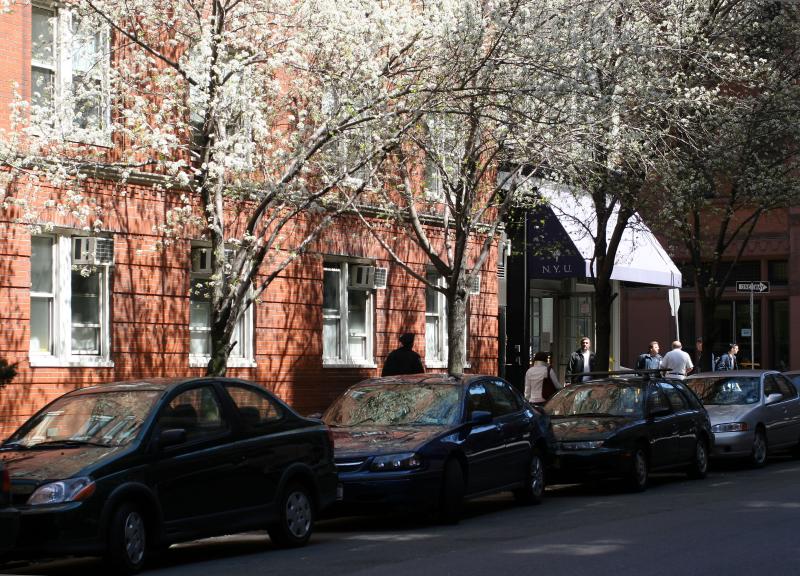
column 725, row 391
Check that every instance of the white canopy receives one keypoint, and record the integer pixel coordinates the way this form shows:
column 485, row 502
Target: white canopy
column 640, row 257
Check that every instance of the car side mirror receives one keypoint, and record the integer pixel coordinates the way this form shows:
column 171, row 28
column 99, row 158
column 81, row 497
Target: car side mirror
column 773, row 398
column 171, row 437
column 480, row 417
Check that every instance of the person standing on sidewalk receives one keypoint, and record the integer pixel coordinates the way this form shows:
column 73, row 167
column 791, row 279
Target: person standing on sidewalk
column 582, row 360
column 677, row 362
column 541, row 381
column 651, row 360
column 728, row 360
column 403, row 360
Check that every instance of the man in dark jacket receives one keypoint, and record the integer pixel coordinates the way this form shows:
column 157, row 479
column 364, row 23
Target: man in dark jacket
column 403, row 360
column 650, row 360
column 578, row 361
column 728, row 361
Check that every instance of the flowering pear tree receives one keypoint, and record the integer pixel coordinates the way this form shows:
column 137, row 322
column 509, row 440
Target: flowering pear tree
column 741, row 162
column 263, row 119
column 485, row 107
column 635, row 76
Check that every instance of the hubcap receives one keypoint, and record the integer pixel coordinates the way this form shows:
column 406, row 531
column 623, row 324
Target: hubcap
column 759, row 449
column 537, row 475
column 641, row 468
column 298, row 514
column 134, row 537
column 702, row 460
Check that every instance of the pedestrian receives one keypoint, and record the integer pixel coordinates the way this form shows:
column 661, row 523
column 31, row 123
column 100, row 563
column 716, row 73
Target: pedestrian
column 728, row 360
column 651, row 360
column 701, row 365
column 581, row 361
column 403, row 360
column 677, row 362
column 541, row 381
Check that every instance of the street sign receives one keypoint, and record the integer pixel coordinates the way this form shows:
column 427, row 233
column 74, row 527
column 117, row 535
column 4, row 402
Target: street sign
column 759, row 286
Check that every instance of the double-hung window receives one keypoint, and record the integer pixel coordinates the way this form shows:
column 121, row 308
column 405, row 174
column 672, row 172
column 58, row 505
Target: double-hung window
column 444, row 152
column 70, row 61
column 347, row 314
column 200, row 317
column 69, row 313
column 436, row 323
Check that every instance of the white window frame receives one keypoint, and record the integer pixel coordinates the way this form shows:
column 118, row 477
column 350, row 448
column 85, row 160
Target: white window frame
column 60, row 352
column 63, row 112
column 440, row 135
column 440, row 360
column 343, row 358
column 242, row 356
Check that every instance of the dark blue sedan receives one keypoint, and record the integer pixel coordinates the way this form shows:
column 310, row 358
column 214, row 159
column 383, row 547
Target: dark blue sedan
column 429, row 441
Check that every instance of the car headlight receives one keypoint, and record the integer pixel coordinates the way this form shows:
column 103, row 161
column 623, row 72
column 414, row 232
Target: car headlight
column 730, row 427
column 590, row 445
column 391, row 462
column 72, row 490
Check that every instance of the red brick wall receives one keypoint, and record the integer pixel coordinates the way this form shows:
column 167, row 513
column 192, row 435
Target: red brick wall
column 150, row 312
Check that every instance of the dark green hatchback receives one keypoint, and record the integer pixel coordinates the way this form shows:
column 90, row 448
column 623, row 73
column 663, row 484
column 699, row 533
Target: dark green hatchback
column 121, row 470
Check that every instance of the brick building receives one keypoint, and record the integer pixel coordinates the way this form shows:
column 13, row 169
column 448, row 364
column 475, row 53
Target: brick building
column 314, row 332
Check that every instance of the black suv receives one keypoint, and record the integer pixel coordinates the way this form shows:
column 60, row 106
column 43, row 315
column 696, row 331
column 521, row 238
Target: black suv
column 625, row 425
column 122, row 469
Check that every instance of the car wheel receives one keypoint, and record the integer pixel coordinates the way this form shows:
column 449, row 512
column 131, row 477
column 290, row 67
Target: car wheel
column 294, row 526
column 451, row 498
column 127, row 540
column 639, row 471
column 699, row 465
column 758, row 457
column 533, row 490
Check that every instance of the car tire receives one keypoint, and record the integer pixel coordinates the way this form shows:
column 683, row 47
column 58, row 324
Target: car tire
column 639, row 472
column 451, row 497
column 128, row 540
column 698, row 468
column 758, row 455
column 533, row 489
column 296, row 517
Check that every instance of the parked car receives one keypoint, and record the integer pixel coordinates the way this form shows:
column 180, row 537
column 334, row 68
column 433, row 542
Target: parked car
column 794, row 376
column 124, row 469
column 430, row 440
column 627, row 426
column 753, row 412
column 9, row 516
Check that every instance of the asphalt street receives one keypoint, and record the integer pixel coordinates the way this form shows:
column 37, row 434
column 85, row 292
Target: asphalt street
column 735, row 522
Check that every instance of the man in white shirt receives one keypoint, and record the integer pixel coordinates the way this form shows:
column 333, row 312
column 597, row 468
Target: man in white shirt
column 581, row 361
column 677, row 362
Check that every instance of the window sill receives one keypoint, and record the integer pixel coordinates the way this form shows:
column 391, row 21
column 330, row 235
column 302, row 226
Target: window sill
column 72, row 362
column 436, row 364
column 343, row 364
column 202, row 362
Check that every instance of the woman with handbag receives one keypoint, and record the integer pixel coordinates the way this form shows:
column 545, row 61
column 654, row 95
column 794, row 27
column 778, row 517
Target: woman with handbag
column 541, row 381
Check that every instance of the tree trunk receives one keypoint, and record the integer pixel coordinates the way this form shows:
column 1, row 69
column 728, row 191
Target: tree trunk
column 603, row 300
column 220, row 346
column 456, row 332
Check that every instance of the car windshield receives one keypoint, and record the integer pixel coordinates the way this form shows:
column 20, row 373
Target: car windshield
column 598, row 399
column 396, row 404
column 100, row 418
column 724, row 391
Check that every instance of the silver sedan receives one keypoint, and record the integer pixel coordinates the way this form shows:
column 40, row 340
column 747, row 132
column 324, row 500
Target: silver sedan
column 752, row 412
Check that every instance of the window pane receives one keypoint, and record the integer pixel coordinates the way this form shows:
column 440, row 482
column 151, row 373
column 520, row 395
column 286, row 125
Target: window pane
column 40, row 325
column 42, row 265
column 431, row 300
column 42, row 36
column 199, row 343
column 85, row 340
column 330, row 338
column 42, row 82
column 330, row 295
column 85, row 285
column 85, row 310
column 357, row 323
column 432, row 338
column 200, row 314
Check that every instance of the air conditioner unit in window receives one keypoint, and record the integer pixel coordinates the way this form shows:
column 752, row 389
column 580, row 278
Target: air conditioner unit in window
column 361, row 277
column 201, row 260
column 381, row 278
column 88, row 251
column 475, row 285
